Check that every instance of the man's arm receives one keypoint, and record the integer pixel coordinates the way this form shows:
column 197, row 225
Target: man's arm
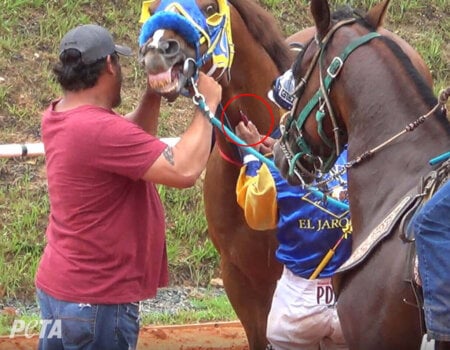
column 146, row 115
column 181, row 165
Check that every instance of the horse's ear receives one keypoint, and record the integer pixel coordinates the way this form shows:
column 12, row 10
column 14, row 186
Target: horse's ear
column 321, row 14
column 375, row 16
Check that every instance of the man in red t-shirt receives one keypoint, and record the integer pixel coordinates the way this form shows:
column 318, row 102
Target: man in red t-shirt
column 106, row 237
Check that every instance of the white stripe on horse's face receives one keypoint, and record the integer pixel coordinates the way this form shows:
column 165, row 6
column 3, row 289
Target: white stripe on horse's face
column 156, row 38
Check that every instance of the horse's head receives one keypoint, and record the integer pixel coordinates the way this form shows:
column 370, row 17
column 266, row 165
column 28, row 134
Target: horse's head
column 315, row 131
column 178, row 37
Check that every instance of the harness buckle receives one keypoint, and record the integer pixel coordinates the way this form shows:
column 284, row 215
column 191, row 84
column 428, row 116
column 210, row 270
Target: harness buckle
column 197, row 95
column 190, row 68
column 335, row 67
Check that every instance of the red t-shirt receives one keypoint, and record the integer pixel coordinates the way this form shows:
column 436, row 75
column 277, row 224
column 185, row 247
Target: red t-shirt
column 106, row 232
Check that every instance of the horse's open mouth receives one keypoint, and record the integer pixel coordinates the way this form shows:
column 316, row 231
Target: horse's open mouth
column 167, row 82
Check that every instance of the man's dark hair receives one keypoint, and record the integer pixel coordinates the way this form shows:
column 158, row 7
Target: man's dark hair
column 74, row 75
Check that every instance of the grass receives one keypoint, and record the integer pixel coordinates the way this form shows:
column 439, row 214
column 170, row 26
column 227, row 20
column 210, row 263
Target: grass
column 191, row 254
column 206, row 310
column 29, row 36
column 30, row 321
column 23, row 211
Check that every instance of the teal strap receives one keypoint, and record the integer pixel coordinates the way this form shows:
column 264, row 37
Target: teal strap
column 329, row 162
column 332, row 71
column 439, row 159
column 292, row 163
column 337, row 62
column 320, row 115
column 303, row 146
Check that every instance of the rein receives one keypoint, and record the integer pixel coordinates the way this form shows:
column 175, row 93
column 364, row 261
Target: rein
column 323, row 92
column 321, row 98
column 443, row 98
column 199, row 100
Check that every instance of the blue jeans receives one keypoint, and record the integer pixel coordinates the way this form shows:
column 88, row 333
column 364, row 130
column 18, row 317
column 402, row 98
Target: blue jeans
column 431, row 225
column 75, row 326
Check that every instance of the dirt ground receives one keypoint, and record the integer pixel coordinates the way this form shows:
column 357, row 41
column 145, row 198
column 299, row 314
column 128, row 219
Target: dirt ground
column 206, row 336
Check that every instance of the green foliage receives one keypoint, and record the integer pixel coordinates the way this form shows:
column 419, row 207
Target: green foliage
column 32, row 322
column 23, row 211
column 191, row 254
column 205, row 310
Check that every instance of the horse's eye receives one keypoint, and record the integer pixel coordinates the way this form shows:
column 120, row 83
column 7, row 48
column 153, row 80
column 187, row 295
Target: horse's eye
column 210, row 9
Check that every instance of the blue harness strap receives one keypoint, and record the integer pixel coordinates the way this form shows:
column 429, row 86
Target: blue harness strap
column 439, row 159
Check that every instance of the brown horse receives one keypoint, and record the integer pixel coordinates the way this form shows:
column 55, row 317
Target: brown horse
column 249, row 268
column 361, row 89
column 248, row 265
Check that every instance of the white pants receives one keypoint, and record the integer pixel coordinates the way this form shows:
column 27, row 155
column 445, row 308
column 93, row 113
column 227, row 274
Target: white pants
column 303, row 315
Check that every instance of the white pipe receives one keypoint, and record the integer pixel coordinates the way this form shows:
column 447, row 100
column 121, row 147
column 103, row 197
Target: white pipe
column 18, row 150
column 37, row 149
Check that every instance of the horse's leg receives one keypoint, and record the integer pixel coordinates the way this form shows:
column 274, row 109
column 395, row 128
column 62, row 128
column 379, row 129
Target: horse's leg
column 376, row 307
column 251, row 305
column 249, row 268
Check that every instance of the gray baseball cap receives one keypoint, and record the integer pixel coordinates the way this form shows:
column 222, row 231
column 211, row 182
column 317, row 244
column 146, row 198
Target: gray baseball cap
column 93, row 42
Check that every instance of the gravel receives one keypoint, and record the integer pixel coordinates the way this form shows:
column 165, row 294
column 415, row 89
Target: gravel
column 173, row 300
column 170, row 300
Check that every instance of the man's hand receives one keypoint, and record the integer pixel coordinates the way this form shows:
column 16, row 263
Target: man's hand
column 249, row 133
column 267, row 145
column 210, row 89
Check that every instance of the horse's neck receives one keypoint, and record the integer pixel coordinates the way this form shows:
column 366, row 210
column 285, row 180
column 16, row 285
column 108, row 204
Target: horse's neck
column 375, row 107
column 252, row 72
column 379, row 183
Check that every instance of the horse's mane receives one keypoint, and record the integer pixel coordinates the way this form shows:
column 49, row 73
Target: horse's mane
column 346, row 12
column 425, row 91
column 263, row 27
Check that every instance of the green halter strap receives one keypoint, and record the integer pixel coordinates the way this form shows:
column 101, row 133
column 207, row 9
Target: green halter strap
column 332, row 72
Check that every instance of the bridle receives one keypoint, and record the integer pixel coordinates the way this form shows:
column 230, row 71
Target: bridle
column 321, row 100
column 189, row 22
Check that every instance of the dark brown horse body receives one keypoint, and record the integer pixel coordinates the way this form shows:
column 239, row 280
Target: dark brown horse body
column 376, row 94
column 249, row 268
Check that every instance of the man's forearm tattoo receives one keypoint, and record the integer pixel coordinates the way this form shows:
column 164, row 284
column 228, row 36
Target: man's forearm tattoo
column 168, row 154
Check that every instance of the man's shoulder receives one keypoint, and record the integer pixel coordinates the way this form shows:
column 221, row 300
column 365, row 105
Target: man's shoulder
column 99, row 119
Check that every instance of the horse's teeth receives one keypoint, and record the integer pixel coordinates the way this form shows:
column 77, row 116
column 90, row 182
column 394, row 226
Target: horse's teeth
column 162, row 85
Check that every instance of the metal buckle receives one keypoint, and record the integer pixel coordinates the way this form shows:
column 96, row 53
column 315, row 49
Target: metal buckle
column 339, row 63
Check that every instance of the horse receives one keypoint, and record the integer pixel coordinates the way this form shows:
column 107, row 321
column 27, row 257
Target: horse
column 357, row 88
column 248, row 266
